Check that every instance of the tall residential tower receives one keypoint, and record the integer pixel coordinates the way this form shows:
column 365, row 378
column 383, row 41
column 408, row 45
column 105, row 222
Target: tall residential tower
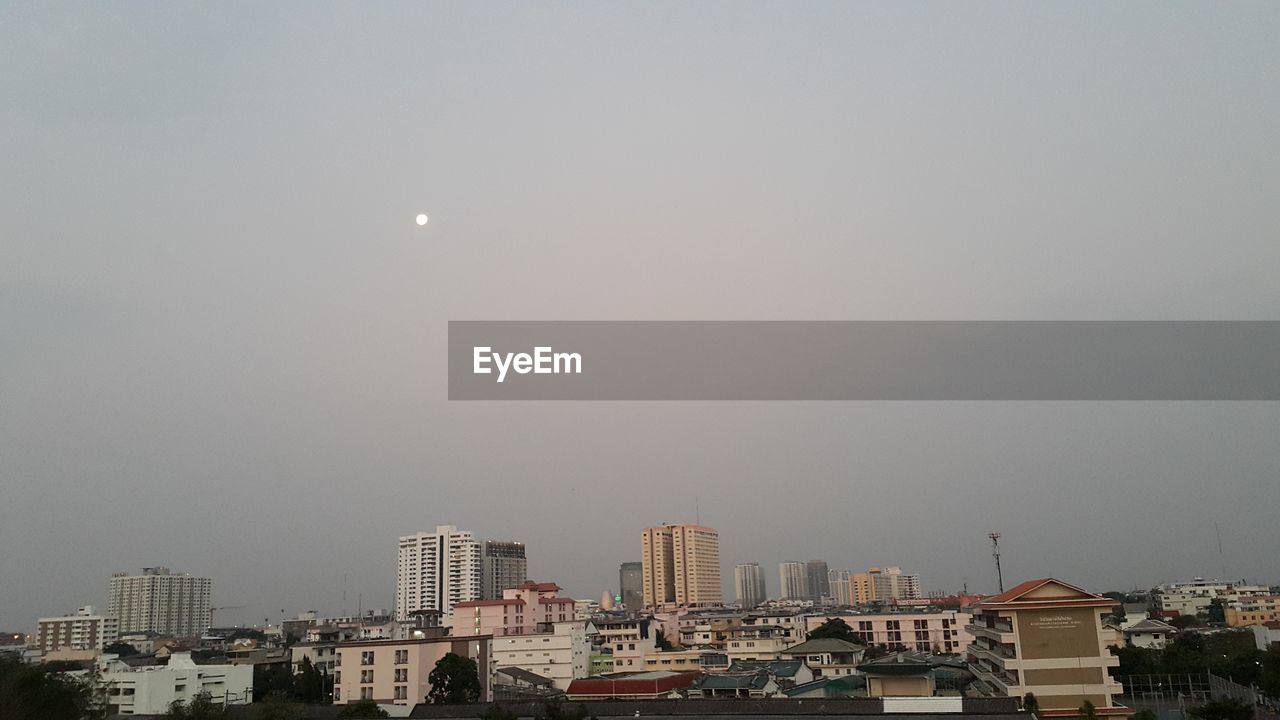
column 681, row 566
column 160, row 601
column 748, row 581
column 436, row 571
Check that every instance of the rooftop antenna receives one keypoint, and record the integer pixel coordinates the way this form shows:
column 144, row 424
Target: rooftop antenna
column 995, row 553
column 697, row 516
column 1222, row 558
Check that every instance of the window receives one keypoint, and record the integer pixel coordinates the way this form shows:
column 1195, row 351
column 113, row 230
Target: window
column 366, row 693
column 402, row 657
column 402, row 692
column 366, row 657
column 337, row 693
column 366, row 676
column 402, row 675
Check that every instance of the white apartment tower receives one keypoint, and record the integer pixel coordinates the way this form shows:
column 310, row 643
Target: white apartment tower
column 793, row 580
column 160, row 601
column 436, row 571
column 748, row 581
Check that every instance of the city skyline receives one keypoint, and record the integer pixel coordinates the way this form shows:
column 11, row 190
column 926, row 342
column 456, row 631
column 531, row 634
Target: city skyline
column 225, row 334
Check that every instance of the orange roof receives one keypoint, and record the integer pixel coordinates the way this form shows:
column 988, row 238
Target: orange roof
column 1016, row 596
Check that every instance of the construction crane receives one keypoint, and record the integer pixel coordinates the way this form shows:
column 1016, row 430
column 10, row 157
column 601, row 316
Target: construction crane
column 995, row 553
column 212, row 610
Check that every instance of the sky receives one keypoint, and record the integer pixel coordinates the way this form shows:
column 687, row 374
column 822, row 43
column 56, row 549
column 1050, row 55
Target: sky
column 222, row 334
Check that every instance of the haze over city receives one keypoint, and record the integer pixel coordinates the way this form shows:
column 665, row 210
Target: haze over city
column 223, row 332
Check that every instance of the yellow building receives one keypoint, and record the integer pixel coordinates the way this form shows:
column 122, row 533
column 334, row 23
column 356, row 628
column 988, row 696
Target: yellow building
column 1046, row 637
column 681, row 566
column 1253, row 610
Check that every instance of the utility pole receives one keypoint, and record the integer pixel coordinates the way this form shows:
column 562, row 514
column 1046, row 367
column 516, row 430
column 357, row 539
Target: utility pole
column 995, row 553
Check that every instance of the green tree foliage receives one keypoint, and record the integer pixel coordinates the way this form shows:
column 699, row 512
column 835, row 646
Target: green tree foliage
column 1182, row 622
column 362, row 709
column 1030, row 703
column 1217, row 611
column 1088, row 711
column 309, row 683
column 272, row 681
column 661, row 642
column 122, row 649
column 1143, row 714
column 454, row 680
column 1224, row 709
column 42, row 692
column 834, row 628
column 201, row 707
column 277, row 710
column 553, row 710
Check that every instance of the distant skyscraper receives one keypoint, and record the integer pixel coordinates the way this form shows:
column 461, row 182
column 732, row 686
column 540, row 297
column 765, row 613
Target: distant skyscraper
column 816, row 579
column 841, row 588
column 502, row 566
column 885, row 586
column 437, row 570
column 160, row 601
column 748, row 581
column 681, row 566
column 793, row 584
column 631, row 585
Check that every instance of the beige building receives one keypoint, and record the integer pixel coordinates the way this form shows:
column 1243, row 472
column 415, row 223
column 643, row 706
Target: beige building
column 84, row 629
column 681, row 566
column 396, row 672
column 1046, row 637
column 1252, row 610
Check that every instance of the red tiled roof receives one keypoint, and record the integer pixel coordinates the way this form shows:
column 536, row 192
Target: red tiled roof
column 487, row 603
column 1015, row 596
column 547, row 600
column 540, row 587
column 624, row 686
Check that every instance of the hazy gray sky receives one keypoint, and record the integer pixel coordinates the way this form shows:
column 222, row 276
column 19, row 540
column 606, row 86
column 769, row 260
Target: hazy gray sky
column 222, row 335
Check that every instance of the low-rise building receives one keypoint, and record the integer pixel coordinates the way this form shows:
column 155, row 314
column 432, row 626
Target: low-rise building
column 1193, row 598
column 397, row 672
column 828, row 657
column 1244, row 611
column 85, row 629
column 1045, row 637
column 562, row 654
column 936, row 632
column 654, row 685
column 1149, row 633
column 149, row 690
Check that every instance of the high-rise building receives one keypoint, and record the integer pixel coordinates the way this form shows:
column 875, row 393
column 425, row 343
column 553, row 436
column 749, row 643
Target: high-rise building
column 681, row 566
column 841, row 588
column 816, row 586
column 885, row 585
column 631, row 585
column 792, row 581
column 84, row 629
column 436, row 570
column 160, row 601
column 502, row 566
column 748, row 583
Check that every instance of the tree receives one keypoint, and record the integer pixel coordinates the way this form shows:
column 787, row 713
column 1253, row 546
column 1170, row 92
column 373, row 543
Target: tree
column 455, row 680
column 497, row 712
column 1182, row 622
column 1223, row 709
column 1088, row 711
column 201, row 707
column 661, row 642
column 834, row 628
column 123, row 649
column 1030, row 703
column 1143, row 714
column 1217, row 612
column 276, row 710
column 38, row 692
column 308, row 683
column 553, row 710
column 362, row 709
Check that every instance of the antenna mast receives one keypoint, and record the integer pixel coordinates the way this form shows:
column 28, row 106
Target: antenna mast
column 995, row 553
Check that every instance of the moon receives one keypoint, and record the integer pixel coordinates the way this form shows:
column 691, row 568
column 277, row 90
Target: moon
column 422, row 219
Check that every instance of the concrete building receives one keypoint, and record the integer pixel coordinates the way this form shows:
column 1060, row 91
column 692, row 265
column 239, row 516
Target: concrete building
column 629, row 640
column 631, row 585
column 1149, row 633
column 562, row 654
column 841, row 588
column 885, row 585
column 1194, row 598
column 503, row 565
column 84, row 629
column 828, row 657
column 793, row 583
column 396, row 672
column 526, row 610
column 436, row 570
column 940, row 632
column 681, row 566
column 1252, row 610
column 160, row 601
column 748, row 583
column 815, row 575
column 149, row 690
column 1045, row 637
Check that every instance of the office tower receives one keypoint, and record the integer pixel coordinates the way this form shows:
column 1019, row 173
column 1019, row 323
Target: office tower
column 681, row 566
column 631, row 585
column 502, row 566
column 816, row 586
column 793, row 583
column 748, row 581
column 436, row 570
column 160, row 601
column 885, row 586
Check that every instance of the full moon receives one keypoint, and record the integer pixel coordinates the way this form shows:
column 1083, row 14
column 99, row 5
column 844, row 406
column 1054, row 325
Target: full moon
column 422, row 219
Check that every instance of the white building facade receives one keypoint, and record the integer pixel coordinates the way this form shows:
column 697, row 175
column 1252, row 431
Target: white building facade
column 160, row 601
column 84, row 629
column 437, row 570
column 150, row 690
column 748, row 582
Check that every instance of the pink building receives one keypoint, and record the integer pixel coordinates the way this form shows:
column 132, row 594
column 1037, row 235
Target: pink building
column 526, row 610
